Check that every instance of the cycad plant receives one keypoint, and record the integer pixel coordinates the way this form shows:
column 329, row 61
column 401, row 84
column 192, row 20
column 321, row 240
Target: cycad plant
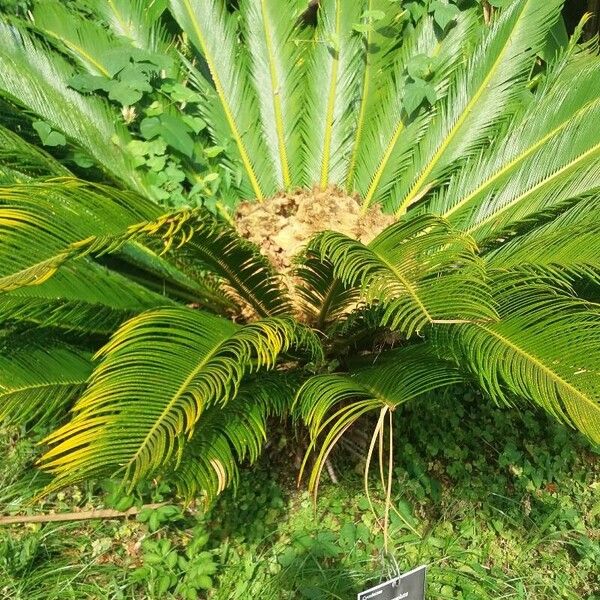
column 437, row 183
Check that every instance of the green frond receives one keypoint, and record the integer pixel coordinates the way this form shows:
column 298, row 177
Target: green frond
column 83, row 39
column 330, row 404
column 379, row 41
column 392, row 131
column 269, row 33
column 213, row 32
column 480, row 96
column 418, row 269
column 197, row 242
column 227, row 436
column 37, row 79
column 545, row 348
column 566, row 245
column 68, row 219
column 550, row 155
column 155, row 271
column 335, row 64
column 80, row 297
column 38, row 381
column 21, row 161
column 141, row 404
column 135, row 20
column 322, row 296
column 44, row 224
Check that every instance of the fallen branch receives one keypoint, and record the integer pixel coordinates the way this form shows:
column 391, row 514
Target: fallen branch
column 83, row 515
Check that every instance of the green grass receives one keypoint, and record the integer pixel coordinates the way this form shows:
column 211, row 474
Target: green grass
column 494, row 516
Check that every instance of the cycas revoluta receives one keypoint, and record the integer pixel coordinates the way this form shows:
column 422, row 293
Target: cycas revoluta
column 164, row 341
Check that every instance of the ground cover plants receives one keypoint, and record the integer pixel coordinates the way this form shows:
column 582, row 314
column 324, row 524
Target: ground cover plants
column 230, row 224
column 497, row 514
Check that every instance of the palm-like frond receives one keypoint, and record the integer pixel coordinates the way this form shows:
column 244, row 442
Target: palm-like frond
column 70, row 219
column 81, row 297
column 43, row 224
column 545, row 348
column 567, row 245
column 20, row 161
column 481, row 94
column 418, row 269
column 330, row 404
column 393, row 130
column 154, row 270
column 37, row 382
column 232, row 434
column 334, row 65
column 234, row 111
column 269, row 33
column 197, row 361
column 550, row 157
column 560, row 109
column 38, row 80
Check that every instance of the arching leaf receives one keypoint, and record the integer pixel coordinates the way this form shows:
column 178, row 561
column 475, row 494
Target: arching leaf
column 197, row 361
column 418, row 269
column 566, row 245
column 545, row 348
column 43, row 224
column 37, row 382
column 557, row 119
column 21, row 161
column 330, row 404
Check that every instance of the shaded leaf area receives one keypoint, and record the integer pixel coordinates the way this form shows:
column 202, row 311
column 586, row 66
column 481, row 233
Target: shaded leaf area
column 203, row 244
column 330, row 404
column 232, row 435
column 68, row 302
column 21, row 161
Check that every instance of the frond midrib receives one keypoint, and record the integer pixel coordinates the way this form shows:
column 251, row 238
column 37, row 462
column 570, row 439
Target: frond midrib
column 538, row 363
column 277, row 108
column 540, row 184
column 414, row 191
column 506, row 168
column 329, row 117
column 406, row 283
